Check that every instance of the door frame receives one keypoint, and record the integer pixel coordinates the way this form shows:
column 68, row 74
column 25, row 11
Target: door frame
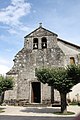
column 31, row 93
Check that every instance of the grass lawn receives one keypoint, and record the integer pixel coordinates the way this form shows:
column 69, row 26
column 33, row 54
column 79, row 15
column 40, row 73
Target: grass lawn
column 2, row 110
column 68, row 113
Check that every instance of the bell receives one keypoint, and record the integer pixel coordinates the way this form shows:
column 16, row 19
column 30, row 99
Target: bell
column 35, row 45
column 44, row 44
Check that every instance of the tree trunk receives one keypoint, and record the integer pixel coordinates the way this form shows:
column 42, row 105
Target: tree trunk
column 52, row 94
column 63, row 103
column 2, row 98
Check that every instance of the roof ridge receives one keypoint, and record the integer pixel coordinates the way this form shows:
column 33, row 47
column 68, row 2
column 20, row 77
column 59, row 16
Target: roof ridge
column 39, row 28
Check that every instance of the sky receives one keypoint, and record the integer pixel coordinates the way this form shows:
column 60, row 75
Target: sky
column 20, row 17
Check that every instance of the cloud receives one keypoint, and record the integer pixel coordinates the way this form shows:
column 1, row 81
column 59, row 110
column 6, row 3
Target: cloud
column 20, row 28
column 4, row 61
column 12, row 31
column 12, row 14
column 4, row 69
column 4, row 65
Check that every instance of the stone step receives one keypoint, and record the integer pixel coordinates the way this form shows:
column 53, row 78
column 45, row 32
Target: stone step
column 56, row 105
column 36, row 105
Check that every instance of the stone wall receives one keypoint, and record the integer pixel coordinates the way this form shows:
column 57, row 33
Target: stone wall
column 28, row 59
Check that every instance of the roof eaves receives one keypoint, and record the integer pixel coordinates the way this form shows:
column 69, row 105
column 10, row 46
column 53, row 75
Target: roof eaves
column 68, row 43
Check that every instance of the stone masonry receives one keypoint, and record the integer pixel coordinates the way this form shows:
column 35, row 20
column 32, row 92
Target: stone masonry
column 42, row 48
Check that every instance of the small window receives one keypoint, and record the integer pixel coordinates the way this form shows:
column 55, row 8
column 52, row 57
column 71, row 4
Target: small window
column 72, row 60
column 35, row 43
column 44, row 43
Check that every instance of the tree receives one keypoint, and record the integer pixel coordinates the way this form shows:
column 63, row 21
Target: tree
column 73, row 72
column 62, row 79
column 6, row 83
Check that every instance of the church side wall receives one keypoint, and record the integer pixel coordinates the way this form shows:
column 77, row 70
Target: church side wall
column 11, row 95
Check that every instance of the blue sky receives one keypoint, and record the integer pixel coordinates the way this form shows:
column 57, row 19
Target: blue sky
column 20, row 17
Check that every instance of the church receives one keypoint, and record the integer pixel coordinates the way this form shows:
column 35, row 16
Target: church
column 42, row 48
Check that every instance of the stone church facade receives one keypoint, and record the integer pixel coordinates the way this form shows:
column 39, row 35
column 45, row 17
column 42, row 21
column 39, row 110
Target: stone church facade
column 42, row 48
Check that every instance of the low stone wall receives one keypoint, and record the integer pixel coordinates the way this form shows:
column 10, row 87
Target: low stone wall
column 25, row 102
column 46, row 101
column 15, row 102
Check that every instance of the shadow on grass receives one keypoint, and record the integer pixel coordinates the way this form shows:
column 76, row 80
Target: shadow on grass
column 68, row 113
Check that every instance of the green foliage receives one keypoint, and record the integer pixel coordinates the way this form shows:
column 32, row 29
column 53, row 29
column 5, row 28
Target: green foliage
column 74, row 103
column 43, row 75
column 59, row 79
column 63, row 79
column 6, row 83
column 73, row 72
